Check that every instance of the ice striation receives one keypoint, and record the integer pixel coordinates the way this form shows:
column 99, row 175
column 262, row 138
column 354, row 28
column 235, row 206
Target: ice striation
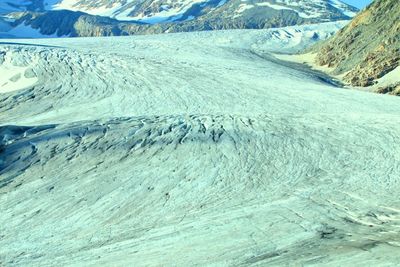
column 193, row 149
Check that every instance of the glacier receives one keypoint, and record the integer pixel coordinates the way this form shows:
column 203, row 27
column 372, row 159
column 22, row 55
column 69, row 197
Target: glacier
column 193, row 149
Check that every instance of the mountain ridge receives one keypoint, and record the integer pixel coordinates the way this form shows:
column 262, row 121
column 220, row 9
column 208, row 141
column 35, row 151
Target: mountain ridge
column 95, row 18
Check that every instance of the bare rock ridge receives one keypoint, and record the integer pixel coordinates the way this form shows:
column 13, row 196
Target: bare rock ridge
column 368, row 48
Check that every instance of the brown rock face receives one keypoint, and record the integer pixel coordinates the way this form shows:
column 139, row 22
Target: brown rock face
column 391, row 89
column 368, row 47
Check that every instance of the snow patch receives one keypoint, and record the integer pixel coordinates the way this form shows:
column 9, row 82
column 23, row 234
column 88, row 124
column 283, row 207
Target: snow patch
column 13, row 77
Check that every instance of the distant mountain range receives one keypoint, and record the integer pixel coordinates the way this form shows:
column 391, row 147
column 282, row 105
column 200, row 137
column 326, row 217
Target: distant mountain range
column 43, row 18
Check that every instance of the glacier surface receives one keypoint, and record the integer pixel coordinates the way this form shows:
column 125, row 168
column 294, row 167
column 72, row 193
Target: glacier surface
column 193, row 149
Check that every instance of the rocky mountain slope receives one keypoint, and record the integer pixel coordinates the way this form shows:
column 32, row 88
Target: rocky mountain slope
column 368, row 49
column 122, row 17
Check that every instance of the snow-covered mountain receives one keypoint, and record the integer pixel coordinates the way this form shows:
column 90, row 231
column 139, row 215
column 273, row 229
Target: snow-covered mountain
column 156, row 11
column 126, row 17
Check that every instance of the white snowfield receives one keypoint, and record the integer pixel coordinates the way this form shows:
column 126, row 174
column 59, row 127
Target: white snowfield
column 194, row 149
column 14, row 78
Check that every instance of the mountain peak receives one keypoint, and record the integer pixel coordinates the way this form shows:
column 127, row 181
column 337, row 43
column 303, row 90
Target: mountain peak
column 128, row 16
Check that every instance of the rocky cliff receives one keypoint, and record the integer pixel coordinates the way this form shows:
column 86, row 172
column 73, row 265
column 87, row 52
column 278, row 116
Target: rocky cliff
column 368, row 48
